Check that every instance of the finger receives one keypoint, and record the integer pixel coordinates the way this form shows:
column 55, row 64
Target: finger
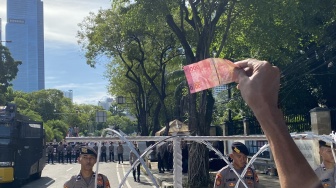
column 241, row 75
column 242, row 63
column 246, row 63
column 248, row 71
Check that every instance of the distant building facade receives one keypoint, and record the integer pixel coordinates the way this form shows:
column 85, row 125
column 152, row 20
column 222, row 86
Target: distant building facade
column 24, row 29
column 219, row 89
column 68, row 94
column 106, row 103
column 0, row 29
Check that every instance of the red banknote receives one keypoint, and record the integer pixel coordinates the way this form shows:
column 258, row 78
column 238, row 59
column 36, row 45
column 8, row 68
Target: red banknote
column 209, row 73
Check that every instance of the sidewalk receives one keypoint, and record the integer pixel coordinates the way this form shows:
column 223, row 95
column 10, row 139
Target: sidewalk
column 165, row 180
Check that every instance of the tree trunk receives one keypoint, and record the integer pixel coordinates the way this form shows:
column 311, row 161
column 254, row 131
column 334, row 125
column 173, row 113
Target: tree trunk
column 198, row 164
column 156, row 121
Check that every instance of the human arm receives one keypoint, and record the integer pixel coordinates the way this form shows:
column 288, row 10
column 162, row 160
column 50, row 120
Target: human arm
column 259, row 83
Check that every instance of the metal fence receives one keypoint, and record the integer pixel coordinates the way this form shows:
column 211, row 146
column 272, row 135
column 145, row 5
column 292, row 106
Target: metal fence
column 235, row 127
column 298, row 122
column 295, row 123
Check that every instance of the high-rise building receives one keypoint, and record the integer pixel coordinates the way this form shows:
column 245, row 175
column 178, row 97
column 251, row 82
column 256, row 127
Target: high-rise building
column 68, row 94
column 24, row 29
column 0, row 29
column 219, row 89
column 105, row 103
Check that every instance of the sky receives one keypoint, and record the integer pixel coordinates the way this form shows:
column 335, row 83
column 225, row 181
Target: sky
column 65, row 64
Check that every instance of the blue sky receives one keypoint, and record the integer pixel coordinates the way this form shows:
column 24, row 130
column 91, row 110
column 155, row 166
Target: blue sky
column 65, row 64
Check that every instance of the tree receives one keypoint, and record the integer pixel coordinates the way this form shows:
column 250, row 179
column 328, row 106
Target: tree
column 59, row 130
column 141, row 53
column 122, row 123
column 8, row 69
column 278, row 31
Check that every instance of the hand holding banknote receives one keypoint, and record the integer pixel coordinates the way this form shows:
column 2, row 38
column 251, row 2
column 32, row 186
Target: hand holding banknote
column 259, row 83
column 210, row 73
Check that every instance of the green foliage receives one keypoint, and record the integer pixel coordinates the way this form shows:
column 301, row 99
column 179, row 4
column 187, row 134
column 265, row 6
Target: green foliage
column 123, row 123
column 143, row 51
column 8, row 69
column 49, row 133
column 56, row 111
column 31, row 114
column 58, row 128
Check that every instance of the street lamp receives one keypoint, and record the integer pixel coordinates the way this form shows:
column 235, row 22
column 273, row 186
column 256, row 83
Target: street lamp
column 121, row 100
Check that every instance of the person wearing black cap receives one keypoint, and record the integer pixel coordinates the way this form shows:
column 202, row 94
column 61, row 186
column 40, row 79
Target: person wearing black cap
column 326, row 171
column 86, row 176
column 226, row 177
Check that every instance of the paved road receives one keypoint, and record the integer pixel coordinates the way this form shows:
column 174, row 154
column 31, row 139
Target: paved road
column 54, row 176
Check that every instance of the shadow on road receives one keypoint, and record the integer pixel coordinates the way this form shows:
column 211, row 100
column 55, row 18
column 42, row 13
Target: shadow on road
column 43, row 182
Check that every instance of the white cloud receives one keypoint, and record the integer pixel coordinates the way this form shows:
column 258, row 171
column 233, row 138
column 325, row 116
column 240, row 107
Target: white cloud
column 63, row 17
column 93, row 98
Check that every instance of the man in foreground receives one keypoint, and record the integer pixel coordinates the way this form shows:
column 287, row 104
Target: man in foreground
column 326, row 171
column 226, row 177
column 86, row 177
column 259, row 83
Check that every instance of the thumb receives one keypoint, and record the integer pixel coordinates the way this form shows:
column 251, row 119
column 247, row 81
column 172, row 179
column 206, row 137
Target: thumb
column 240, row 76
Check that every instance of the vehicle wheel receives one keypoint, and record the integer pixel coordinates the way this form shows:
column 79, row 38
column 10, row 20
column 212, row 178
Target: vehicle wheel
column 17, row 183
column 37, row 175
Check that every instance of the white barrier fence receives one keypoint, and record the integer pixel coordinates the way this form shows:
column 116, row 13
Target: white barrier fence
column 177, row 152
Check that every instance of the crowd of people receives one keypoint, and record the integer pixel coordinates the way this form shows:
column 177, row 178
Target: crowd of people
column 68, row 153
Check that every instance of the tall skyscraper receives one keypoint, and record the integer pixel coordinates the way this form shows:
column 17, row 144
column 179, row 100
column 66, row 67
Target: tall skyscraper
column 25, row 29
column 218, row 89
column 0, row 29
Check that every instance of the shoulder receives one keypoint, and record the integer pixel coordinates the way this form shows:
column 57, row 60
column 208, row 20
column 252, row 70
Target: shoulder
column 70, row 182
column 102, row 176
column 224, row 169
column 106, row 181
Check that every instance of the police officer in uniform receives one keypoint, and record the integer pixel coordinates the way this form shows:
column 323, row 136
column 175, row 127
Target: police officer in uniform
column 77, row 150
column 111, row 149
column 226, row 178
column 103, row 152
column 132, row 159
column 326, row 171
column 60, row 150
column 50, row 150
column 95, row 147
column 86, row 176
column 68, row 153
column 120, row 152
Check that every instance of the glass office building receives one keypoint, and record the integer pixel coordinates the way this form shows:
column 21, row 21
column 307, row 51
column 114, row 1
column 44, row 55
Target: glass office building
column 0, row 29
column 25, row 29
